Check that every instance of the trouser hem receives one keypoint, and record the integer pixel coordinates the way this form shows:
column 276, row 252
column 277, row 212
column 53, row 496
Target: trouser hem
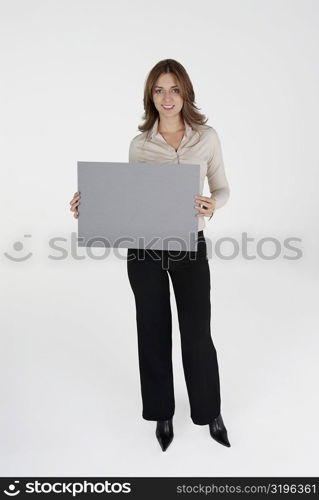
column 203, row 421
column 156, row 419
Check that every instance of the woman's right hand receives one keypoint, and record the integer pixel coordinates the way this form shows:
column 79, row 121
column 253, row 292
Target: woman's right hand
column 74, row 203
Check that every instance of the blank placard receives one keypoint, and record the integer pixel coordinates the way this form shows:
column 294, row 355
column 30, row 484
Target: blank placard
column 138, row 205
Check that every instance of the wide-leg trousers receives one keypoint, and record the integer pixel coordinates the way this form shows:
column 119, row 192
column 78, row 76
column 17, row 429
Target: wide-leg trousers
column 148, row 272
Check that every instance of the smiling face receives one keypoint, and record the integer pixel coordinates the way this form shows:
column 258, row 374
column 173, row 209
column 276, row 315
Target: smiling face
column 167, row 96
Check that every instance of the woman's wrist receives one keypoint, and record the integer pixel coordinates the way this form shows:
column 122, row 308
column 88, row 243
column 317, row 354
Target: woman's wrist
column 214, row 207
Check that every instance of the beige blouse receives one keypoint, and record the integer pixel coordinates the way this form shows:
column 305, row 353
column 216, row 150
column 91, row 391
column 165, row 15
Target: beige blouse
column 199, row 146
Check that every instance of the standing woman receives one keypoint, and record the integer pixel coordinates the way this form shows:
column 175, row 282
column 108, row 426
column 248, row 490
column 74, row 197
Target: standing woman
column 175, row 132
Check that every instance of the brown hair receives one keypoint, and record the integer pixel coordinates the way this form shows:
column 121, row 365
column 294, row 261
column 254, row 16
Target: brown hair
column 189, row 110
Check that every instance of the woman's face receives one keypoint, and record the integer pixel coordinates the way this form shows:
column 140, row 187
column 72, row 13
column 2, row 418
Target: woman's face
column 167, row 96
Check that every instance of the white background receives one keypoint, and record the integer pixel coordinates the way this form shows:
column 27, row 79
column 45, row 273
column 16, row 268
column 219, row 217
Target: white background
column 72, row 77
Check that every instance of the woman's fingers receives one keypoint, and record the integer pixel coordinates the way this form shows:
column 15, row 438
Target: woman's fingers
column 75, row 197
column 203, row 210
column 205, row 206
column 74, row 209
column 74, row 203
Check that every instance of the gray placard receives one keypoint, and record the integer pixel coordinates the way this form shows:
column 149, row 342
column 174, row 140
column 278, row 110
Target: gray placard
column 138, row 205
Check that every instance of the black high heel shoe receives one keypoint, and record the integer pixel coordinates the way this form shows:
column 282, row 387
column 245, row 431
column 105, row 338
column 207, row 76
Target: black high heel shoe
column 218, row 431
column 164, row 433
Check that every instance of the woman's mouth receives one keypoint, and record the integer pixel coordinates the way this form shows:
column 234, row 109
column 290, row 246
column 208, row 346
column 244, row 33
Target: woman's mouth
column 168, row 107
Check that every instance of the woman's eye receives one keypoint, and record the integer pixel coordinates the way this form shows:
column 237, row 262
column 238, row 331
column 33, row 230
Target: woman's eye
column 159, row 91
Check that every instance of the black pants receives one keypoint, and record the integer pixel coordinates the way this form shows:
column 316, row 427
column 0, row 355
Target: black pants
column 191, row 283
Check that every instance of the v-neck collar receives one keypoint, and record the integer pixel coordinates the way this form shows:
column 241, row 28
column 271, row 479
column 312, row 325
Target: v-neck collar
column 155, row 134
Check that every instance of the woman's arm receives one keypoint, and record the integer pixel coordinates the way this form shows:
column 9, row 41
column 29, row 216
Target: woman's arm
column 218, row 184
column 132, row 156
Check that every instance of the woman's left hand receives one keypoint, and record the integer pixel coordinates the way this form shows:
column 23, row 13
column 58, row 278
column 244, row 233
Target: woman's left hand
column 207, row 208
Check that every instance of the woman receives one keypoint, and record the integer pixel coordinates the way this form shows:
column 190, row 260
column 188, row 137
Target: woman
column 175, row 132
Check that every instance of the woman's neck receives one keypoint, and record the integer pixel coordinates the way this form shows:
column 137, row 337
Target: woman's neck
column 171, row 125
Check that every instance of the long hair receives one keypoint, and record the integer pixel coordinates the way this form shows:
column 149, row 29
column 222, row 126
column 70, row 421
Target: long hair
column 189, row 111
